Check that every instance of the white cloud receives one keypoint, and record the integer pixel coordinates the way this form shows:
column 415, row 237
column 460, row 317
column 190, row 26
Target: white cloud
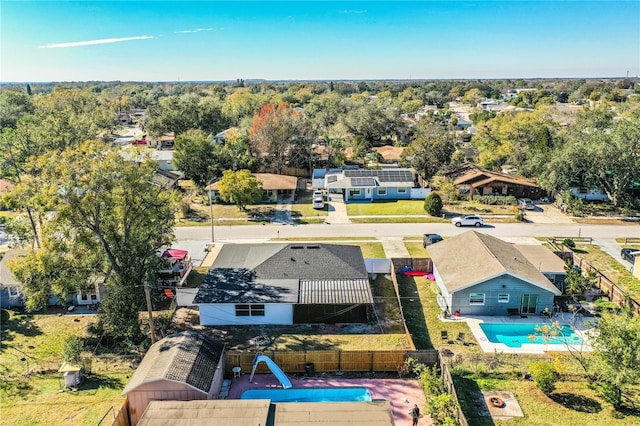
column 197, row 30
column 92, row 42
column 357, row 12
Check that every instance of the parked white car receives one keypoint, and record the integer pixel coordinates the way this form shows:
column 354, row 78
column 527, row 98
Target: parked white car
column 468, row 220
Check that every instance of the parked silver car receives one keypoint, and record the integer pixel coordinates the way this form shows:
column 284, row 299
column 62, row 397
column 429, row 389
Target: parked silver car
column 526, row 203
column 468, row 220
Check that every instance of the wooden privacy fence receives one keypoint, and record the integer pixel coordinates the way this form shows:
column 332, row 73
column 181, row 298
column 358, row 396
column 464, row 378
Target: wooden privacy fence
column 451, row 390
column 330, row 360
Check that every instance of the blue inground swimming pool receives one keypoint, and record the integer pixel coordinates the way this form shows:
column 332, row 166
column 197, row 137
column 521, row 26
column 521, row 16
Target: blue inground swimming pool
column 515, row 335
column 341, row 394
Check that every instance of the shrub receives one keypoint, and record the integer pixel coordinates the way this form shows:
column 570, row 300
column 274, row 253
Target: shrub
column 518, row 214
column 442, row 409
column 544, row 376
column 496, row 200
column 568, row 242
column 72, row 350
column 433, row 204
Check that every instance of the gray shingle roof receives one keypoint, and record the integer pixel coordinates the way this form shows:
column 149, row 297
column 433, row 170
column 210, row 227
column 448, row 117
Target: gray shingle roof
column 270, row 273
column 7, row 279
column 473, row 257
column 188, row 357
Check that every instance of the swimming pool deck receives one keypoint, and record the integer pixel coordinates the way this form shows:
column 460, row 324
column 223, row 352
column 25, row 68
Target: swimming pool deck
column 401, row 393
column 579, row 326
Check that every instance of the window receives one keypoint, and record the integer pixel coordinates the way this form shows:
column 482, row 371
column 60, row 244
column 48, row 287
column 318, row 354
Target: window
column 353, row 192
column 249, row 310
column 13, row 292
column 402, row 190
column 503, row 297
column 382, row 191
column 583, row 190
column 476, row 299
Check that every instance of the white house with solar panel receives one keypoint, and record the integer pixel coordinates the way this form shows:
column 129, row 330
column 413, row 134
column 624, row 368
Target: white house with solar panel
column 370, row 185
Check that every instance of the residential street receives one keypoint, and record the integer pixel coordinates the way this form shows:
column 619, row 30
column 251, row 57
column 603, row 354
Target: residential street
column 255, row 233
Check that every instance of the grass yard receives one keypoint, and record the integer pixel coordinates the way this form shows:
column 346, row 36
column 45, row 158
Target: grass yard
column 196, row 276
column 572, row 403
column 397, row 219
column 345, row 342
column 421, row 313
column 385, row 208
column 370, row 250
column 415, row 249
column 43, row 404
column 29, row 378
column 386, row 305
column 611, row 268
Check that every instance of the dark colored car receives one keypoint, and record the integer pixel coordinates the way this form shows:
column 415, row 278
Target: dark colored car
column 428, row 239
column 628, row 254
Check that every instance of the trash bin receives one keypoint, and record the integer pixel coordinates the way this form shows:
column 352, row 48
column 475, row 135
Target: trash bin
column 309, row 369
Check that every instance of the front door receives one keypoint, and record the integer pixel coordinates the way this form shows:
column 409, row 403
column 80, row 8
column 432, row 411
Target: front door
column 529, row 304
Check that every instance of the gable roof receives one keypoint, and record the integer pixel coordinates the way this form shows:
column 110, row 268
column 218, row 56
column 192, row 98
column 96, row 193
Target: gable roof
column 471, row 258
column 271, row 273
column 390, row 152
column 270, row 181
column 7, row 279
column 542, row 258
column 470, row 174
column 187, row 357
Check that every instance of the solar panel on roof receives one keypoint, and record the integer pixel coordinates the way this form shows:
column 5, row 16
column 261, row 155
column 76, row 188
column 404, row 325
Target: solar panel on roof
column 362, row 181
column 332, row 178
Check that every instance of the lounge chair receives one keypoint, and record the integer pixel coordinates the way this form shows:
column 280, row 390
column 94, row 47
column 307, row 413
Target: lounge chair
column 461, row 338
column 444, row 335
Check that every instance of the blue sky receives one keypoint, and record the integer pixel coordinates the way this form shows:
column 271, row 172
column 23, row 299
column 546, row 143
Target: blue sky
column 304, row 40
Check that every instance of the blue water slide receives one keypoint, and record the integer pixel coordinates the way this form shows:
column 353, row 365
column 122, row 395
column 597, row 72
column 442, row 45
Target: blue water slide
column 284, row 380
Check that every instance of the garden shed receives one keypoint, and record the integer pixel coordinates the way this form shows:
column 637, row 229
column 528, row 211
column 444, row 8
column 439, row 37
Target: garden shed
column 181, row 367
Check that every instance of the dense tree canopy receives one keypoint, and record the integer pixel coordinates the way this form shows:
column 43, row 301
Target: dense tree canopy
column 240, row 188
column 432, row 147
column 110, row 220
column 281, row 137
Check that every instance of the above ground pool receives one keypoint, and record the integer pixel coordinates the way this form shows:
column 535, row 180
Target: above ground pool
column 338, row 394
column 515, row 335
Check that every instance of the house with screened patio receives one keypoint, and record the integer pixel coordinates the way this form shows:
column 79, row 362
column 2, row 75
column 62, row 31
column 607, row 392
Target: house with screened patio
column 478, row 274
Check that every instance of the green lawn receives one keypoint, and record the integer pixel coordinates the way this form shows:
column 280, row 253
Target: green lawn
column 29, row 378
column 421, row 313
column 398, row 219
column 369, row 250
column 572, row 403
column 415, row 249
column 611, row 268
column 401, row 207
column 386, row 305
column 345, row 342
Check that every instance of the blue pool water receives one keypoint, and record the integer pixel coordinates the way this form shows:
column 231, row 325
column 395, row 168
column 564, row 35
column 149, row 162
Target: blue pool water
column 342, row 394
column 514, row 335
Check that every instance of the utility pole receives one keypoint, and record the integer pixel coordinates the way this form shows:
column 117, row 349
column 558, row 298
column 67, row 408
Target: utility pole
column 211, row 212
column 152, row 327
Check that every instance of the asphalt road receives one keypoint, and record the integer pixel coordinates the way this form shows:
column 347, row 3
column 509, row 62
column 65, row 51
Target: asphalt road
column 254, row 233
